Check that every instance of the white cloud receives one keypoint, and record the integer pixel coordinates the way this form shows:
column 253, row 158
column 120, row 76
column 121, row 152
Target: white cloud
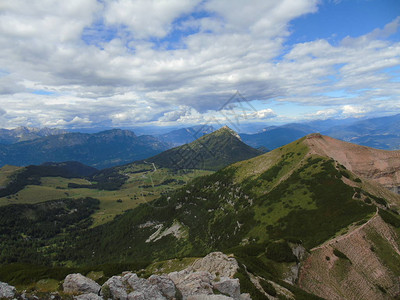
column 131, row 75
column 75, row 121
column 147, row 18
column 353, row 110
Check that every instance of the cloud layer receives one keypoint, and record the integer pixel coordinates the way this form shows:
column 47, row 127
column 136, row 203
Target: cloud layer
column 117, row 63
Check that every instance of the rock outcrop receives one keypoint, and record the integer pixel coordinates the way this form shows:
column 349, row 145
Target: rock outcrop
column 200, row 281
column 7, row 291
column 216, row 263
column 78, row 284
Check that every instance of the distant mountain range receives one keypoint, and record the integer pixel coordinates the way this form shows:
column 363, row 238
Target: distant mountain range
column 379, row 133
column 24, row 146
column 99, row 150
column 185, row 135
column 20, row 134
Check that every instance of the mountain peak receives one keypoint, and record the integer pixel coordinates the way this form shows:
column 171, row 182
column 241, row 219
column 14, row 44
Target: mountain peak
column 228, row 130
column 381, row 166
column 210, row 152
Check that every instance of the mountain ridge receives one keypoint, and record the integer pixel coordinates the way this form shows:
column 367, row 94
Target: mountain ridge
column 103, row 149
column 212, row 151
column 22, row 133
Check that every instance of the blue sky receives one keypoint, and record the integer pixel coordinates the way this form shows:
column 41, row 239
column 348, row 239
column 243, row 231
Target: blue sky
column 129, row 63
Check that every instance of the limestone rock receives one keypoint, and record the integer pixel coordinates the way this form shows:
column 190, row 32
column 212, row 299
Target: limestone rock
column 192, row 283
column 90, row 296
column 164, row 284
column 114, row 288
column 7, row 291
column 217, row 263
column 228, row 286
column 77, row 283
column 143, row 286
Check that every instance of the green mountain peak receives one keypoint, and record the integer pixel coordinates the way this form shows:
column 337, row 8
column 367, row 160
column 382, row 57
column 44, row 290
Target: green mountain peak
column 210, row 152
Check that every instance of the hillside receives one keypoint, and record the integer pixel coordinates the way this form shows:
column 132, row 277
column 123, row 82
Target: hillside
column 381, row 166
column 210, row 152
column 99, row 150
column 294, row 217
column 16, row 179
column 273, row 212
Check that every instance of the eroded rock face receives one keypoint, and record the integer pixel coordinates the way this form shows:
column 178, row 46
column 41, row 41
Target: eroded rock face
column 360, row 274
column 7, row 291
column 78, row 284
column 381, row 166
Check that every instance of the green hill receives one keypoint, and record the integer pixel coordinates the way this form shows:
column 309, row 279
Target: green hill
column 210, row 152
column 286, row 215
column 261, row 210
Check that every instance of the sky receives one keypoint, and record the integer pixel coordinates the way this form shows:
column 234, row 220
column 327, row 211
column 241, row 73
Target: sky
column 128, row 63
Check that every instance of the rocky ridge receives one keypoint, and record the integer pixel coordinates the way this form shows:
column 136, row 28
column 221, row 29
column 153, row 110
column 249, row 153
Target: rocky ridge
column 208, row 278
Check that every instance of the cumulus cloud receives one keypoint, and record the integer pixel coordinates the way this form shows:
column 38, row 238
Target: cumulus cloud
column 353, row 110
column 179, row 61
column 75, row 121
column 147, row 18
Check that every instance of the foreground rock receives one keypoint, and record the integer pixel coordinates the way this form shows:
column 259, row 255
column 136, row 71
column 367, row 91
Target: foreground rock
column 78, row 284
column 213, row 273
column 216, row 263
column 7, row 291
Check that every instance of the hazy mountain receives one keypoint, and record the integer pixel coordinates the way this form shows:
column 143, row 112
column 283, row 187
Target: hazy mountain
column 100, row 150
column 210, row 152
column 381, row 133
column 276, row 136
column 11, row 136
column 185, row 135
column 296, row 210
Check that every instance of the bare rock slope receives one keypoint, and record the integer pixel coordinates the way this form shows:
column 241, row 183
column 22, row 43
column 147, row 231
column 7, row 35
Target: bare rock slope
column 381, row 166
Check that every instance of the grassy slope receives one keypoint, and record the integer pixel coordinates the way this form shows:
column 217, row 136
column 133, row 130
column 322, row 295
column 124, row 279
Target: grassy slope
column 281, row 194
column 144, row 185
column 244, row 208
column 5, row 173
